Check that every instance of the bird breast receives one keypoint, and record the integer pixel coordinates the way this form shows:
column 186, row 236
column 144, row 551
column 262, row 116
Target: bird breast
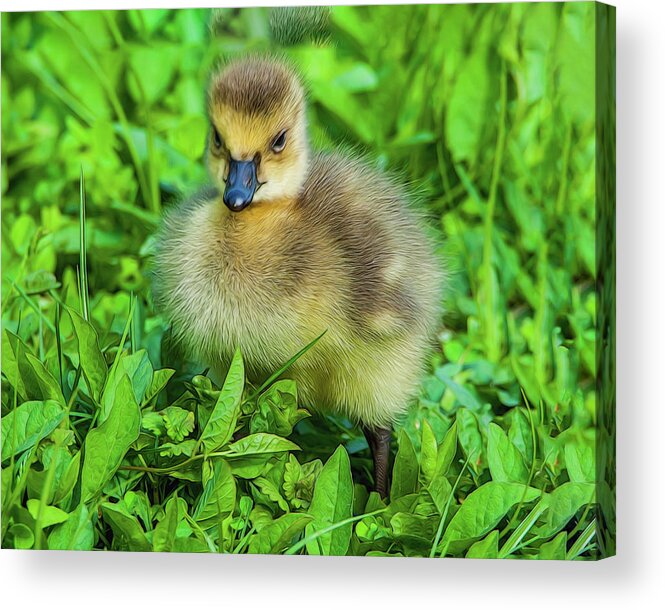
column 230, row 280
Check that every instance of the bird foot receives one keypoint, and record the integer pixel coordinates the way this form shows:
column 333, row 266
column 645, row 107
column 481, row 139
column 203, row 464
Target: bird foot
column 378, row 440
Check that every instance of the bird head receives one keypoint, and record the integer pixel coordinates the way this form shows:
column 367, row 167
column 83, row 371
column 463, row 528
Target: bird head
column 257, row 148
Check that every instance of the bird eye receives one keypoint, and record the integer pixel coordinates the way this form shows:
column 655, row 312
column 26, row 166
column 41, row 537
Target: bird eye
column 279, row 142
column 216, row 138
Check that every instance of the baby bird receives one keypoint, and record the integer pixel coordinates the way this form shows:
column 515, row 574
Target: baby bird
column 289, row 243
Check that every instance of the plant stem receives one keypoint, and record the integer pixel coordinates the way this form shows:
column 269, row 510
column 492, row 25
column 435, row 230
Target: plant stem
column 487, row 304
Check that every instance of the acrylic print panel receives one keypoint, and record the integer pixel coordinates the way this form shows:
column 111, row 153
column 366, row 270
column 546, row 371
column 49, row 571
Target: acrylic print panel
column 330, row 281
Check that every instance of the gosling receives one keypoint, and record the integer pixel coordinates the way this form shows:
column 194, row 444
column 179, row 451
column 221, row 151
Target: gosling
column 288, row 244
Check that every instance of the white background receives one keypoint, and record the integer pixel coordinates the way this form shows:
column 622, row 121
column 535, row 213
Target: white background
column 633, row 579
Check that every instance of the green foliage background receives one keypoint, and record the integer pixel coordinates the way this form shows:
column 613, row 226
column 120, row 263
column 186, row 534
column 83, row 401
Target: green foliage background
column 109, row 441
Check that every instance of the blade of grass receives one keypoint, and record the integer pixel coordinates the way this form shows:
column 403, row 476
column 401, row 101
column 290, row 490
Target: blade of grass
column 314, row 536
column 208, row 540
column 17, row 492
column 585, row 514
column 513, row 542
column 34, row 307
column 132, row 332
column 123, row 339
column 243, row 541
column 285, row 366
column 444, row 514
column 487, row 304
column 40, row 334
column 83, row 254
column 12, row 462
column 582, row 542
column 58, row 341
column 45, row 492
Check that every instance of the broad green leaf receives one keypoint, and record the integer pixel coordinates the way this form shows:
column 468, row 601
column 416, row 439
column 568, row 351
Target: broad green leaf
column 127, row 531
column 470, row 438
column 299, row 481
column 139, row 370
column 332, row 502
column 6, row 482
column 175, row 449
column 447, row 451
column 91, row 359
column 260, row 443
column 219, row 496
column 65, row 484
column 38, row 381
column 51, row 515
column 28, row 424
column 190, row 545
column 179, row 422
column 222, row 422
column 405, row 469
column 439, row 490
column 159, row 380
column 75, row 534
column 428, row 453
column 505, row 461
column 10, row 356
column 468, row 107
column 520, row 435
column 576, row 62
column 250, row 466
column 56, row 460
column 164, row 536
column 138, row 504
column 580, row 462
column 106, row 445
column 405, row 504
column 279, row 535
column 40, row 282
column 26, row 373
column 153, row 422
column 153, row 64
column 260, row 517
column 24, row 538
column 562, row 504
column 371, row 528
column 554, row 549
column 482, row 510
column 462, row 394
column 361, row 77
column 272, row 491
column 487, row 548
column 277, row 409
column 414, row 530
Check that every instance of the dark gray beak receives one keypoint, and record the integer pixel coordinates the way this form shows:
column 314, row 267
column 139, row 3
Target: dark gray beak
column 240, row 185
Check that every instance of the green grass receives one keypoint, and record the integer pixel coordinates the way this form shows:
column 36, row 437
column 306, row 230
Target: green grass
column 111, row 441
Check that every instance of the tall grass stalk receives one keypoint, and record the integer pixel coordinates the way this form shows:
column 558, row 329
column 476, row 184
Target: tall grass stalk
column 487, row 304
column 83, row 254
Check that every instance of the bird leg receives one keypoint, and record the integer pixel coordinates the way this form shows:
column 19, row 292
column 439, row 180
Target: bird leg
column 378, row 440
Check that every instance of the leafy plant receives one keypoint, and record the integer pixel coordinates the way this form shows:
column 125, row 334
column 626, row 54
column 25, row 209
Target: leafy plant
column 111, row 441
